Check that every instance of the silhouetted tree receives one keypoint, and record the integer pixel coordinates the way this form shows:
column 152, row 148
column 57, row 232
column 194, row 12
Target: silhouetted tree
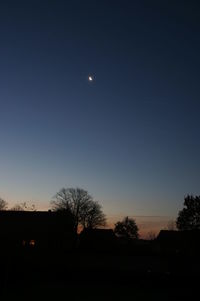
column 189, row 217
column 171, row 225
column 151, row 235
column 80, row 203
column 3, row 204
column 23, row 207
column 92, row 216
column 127, row 228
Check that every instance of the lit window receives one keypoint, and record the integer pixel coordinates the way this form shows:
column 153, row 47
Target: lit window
column 32, row 242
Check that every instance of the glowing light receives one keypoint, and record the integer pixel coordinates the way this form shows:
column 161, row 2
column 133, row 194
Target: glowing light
column 90, row 78
column 32, row 242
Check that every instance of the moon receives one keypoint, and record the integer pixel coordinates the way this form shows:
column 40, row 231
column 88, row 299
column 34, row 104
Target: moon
column 90, row 78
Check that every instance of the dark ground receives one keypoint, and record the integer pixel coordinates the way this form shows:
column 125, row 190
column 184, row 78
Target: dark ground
column 98, row 277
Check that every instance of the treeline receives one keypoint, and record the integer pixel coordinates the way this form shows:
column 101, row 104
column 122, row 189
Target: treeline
column 88, row 214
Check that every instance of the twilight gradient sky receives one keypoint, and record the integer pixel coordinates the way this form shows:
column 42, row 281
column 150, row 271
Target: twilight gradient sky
column 130, row 137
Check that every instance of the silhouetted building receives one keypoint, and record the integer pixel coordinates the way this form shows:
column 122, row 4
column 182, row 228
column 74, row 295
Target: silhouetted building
column 97, row 239
column 179, row 242
column 35, row 229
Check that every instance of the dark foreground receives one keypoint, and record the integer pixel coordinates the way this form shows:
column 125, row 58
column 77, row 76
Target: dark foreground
column 76, row 276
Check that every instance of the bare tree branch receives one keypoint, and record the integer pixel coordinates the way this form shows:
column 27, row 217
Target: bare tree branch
column 80, row 203
column 3, row 204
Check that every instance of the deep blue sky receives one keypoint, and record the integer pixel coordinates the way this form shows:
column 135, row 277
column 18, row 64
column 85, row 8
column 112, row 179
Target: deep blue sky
column 131, row 137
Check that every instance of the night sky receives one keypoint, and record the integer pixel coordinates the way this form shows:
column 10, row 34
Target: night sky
column 131, row 136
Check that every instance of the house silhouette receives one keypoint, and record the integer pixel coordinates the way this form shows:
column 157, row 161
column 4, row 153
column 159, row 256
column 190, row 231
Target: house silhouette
column 39, row 230
column 179, row 242
column 97, row 240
